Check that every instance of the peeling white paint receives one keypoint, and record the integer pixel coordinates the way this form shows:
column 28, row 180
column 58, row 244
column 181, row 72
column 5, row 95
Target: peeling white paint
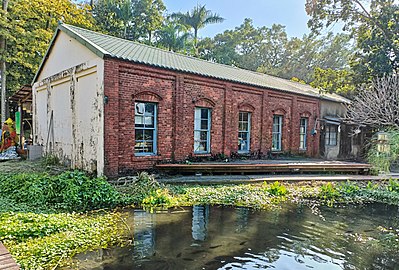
column 70, row 87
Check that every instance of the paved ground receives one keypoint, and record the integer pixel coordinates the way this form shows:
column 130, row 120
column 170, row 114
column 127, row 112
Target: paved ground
column 230, row 179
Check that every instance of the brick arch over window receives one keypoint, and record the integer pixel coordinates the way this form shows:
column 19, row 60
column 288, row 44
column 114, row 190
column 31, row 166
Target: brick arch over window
column 147, row 96
column 305, row 114
column 280, row 111
column 204, row 102
column 246, row 107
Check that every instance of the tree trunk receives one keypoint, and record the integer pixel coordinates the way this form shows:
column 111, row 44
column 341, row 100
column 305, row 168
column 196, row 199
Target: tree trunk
column 195, row 41
column 3, row 69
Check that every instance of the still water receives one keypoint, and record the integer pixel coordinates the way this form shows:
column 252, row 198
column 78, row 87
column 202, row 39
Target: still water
column 293, row 238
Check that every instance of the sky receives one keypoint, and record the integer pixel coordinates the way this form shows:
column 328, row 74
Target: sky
column 290, row 13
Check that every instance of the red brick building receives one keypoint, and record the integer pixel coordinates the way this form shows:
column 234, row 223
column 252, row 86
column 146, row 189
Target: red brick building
column 152, row 105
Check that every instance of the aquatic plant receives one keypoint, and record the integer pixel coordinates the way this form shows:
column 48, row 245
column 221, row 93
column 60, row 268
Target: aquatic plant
column 48, row 241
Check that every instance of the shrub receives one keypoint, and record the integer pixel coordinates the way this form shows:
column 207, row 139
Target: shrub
column 71, row 191
column 384, row 161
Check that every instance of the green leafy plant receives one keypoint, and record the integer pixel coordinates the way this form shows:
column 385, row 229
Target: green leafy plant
column 71, row 191
column 328, row 193
column 158, row 197
column 393, row 186
column 276, row 189
column 348, row 189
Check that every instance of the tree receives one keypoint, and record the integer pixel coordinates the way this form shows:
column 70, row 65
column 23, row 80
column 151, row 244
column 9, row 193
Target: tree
column 334, row 81
column 29, row 27
column 147, row 17
column 172, row 36
column 197, row 18
column 375, row 26
column 377, row 105
column 113, row 16
column 271, row 51
column 3, row 67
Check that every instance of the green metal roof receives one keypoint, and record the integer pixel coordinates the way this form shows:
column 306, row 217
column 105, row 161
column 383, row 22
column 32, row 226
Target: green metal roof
column 105, row 45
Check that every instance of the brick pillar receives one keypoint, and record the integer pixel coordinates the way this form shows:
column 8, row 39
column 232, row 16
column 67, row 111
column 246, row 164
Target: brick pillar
column 229, row 135
column 294, row 139
column 265, row 142
column 111, row 117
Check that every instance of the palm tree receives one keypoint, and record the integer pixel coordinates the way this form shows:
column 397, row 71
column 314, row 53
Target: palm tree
column 172, row 36
column 196, row 19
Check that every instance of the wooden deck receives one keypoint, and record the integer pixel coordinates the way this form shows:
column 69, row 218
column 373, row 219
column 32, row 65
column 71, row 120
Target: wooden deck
column 6, row 260
column 266, row 166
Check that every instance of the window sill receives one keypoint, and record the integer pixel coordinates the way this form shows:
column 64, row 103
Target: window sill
column 146, row 155
column 204, row 154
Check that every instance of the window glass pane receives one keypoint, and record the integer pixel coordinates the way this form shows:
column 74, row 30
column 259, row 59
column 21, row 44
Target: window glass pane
column 204, row 113
column 204, row 135
column 148, row 134
column 148, row 147
column 203, row 147
column 145, row 129
column 149, row 109
column 244, row 117
column 197, row 146
column 243, row 135
column 204, row 124
column 138, row 120
column 201, row 129
column 138, row 147
column 139, row 135
column 197, row 135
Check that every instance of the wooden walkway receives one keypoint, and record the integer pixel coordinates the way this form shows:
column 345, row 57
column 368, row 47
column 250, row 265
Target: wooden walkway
column 292, row 178
column 6, row 260
column 267, row 166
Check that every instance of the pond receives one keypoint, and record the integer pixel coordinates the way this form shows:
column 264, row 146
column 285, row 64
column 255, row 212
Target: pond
column 295, row 237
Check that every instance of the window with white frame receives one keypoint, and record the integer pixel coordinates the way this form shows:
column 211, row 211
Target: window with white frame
column 145, row 125
column 331, row 132
column 277, row 132
column 202, row 130
column 244, row 131
column 303, row 133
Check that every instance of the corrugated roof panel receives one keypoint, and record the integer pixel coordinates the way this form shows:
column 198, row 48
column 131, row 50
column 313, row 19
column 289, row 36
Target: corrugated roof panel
column 140, row 53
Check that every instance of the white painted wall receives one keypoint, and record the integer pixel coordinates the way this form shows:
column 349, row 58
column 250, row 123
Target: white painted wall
column 70, row 87
column 66, row 53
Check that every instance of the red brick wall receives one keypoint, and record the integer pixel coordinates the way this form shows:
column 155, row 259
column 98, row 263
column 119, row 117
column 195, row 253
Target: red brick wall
column 177, row 94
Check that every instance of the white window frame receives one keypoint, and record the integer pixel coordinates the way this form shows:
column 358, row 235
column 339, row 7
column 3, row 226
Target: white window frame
column 247, row 132
column 331, row 140
column 198, row 130
column 303, row 133
column 144, row 128
column 277, row 134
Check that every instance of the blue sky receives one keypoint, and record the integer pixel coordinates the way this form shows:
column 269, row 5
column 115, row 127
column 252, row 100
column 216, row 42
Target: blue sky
column 290, row 13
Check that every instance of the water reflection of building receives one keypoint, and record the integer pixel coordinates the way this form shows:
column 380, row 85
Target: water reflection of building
column 242, row 219
column 144, row 234
column 200, row 222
